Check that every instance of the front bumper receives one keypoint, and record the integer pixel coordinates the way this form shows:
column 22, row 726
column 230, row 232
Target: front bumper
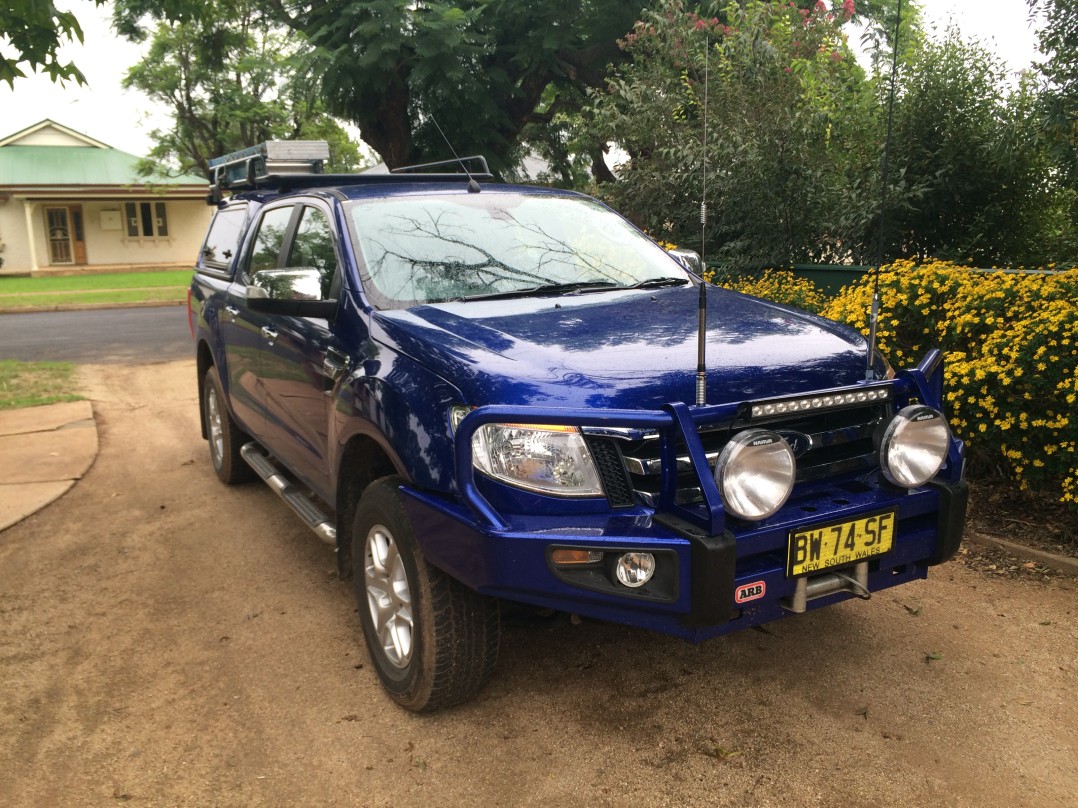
column 719, row 574
column 707, row 571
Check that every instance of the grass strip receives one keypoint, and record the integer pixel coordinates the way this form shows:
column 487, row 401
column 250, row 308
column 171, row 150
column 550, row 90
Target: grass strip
column 104, row 296
column 78, row 283
column 30, row 384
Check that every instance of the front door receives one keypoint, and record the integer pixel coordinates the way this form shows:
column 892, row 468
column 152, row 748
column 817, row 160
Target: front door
column 303, row 359
column 65, row 233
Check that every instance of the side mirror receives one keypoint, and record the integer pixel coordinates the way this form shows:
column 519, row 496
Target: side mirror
column 690, row 259
column 292, row 292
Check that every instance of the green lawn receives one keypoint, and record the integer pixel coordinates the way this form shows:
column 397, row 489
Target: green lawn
column 79, row 283
column 28, row 384
column 106, row 296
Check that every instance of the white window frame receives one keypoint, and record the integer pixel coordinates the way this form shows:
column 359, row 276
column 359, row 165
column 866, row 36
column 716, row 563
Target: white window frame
column 135, row 218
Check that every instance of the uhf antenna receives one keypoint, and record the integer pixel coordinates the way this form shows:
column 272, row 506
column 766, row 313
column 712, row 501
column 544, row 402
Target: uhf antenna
column 701, row 341
column 473, row 186
column 874, row 314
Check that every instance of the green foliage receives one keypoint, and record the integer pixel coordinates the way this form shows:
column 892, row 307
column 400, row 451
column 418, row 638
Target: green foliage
column 232, row 78
column 795, row 136
column 35, row 29
column 984, row 187
column 480, row 69
column 1011, row 347
column 792, row 126
column 880, row 18
column 1059, row 104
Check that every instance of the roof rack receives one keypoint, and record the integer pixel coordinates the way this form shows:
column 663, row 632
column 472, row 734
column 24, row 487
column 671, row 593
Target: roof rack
column 286, row 164
column 274, row 156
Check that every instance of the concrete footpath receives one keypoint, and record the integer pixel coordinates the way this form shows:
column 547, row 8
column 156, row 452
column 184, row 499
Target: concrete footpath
column 44, row 451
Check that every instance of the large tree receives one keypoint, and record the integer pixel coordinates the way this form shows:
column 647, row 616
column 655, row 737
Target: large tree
column 232, row 78
column 970, row 144
column 791, row 156
column 1059, row 100
column 481, row 70
column 35, row 30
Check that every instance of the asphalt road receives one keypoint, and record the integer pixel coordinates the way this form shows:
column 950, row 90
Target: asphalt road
column 100, row 336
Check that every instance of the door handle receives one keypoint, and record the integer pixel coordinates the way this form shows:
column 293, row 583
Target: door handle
column 231, row 313
column 269, row 333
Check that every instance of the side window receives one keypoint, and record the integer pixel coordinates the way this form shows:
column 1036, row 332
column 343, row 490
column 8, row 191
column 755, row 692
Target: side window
column 267, row 246
column 223, row 240
column 312, row 246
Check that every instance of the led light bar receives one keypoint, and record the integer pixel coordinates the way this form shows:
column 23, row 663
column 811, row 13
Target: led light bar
column 866, row 395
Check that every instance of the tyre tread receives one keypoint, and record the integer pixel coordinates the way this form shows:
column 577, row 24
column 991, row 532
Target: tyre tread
column 465, row 627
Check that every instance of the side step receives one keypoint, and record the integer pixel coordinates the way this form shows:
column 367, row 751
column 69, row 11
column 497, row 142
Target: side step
column 286, row 490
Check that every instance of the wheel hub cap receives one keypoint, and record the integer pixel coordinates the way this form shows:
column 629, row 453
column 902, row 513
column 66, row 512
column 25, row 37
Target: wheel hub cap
column 213, row 419
column 389, row 596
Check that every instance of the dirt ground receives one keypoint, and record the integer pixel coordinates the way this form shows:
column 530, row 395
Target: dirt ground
column 165, row 640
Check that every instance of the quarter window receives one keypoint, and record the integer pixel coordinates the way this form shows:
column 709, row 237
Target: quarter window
column 223, row 240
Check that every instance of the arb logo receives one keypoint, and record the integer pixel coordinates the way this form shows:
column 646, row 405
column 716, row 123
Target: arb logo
column 753, row 591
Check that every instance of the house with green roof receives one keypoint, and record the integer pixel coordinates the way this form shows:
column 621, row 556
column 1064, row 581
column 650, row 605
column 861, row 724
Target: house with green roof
column 69, row 202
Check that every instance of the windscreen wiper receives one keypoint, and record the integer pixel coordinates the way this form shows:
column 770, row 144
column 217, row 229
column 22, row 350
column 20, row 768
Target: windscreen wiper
column 657, row 283
column 544, row 289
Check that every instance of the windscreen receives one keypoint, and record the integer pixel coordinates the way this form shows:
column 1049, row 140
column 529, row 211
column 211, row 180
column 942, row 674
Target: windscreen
column 436, row 248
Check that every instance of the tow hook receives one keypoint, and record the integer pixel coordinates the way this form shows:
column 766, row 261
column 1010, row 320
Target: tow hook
column 817, row 586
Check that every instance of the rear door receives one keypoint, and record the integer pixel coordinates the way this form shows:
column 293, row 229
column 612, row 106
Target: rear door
column 220, row 309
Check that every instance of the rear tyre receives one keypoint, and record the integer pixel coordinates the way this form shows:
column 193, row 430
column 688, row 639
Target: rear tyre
column 226, row 439
column 433, row 641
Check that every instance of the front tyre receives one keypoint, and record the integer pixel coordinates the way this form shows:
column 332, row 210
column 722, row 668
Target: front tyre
column 226, row 439
column 432, row 640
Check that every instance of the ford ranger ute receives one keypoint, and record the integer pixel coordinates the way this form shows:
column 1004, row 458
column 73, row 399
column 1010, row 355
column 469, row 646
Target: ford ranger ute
column 479, row 392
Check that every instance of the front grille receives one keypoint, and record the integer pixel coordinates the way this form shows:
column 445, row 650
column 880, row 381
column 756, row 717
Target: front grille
column 827, row 443
column 608, row 461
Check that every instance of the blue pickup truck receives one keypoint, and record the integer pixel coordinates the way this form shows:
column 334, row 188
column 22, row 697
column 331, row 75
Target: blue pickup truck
column 479, row 392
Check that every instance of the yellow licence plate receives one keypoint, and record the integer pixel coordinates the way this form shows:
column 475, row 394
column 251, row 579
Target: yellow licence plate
column 819, row 548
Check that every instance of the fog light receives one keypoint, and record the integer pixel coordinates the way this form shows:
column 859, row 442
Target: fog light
column 635, row 569
column 914, row 446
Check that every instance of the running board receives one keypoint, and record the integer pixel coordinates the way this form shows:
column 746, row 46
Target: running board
column 286, row 490
column 853, row 580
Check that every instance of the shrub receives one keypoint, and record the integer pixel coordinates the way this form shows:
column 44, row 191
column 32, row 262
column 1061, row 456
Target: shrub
column 1011, row 347
column 773, row 284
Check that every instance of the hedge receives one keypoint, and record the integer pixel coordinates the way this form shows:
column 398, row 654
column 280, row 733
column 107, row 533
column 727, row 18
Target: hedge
column 1011, row 346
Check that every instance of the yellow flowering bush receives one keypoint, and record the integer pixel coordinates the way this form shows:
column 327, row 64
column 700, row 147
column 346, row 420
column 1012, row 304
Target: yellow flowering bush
column 1011, row 347
column 778, row 285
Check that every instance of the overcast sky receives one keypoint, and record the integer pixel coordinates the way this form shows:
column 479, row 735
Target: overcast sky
column 120, row 118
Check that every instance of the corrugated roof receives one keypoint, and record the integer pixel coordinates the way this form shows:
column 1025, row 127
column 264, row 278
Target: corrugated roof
column 75, row 165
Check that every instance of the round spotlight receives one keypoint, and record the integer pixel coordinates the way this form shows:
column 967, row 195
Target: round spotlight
column 914, row 446
column 635, row 569
column 755, row 474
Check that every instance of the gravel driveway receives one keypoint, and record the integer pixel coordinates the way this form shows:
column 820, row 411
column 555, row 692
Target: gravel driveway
column 165, row 640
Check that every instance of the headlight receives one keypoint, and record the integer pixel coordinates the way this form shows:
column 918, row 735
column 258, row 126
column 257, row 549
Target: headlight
column 547, row 459
column 755, row 474
column 914, row 446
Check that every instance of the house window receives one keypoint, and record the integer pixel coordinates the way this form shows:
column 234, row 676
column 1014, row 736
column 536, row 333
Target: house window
column 146, row 219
